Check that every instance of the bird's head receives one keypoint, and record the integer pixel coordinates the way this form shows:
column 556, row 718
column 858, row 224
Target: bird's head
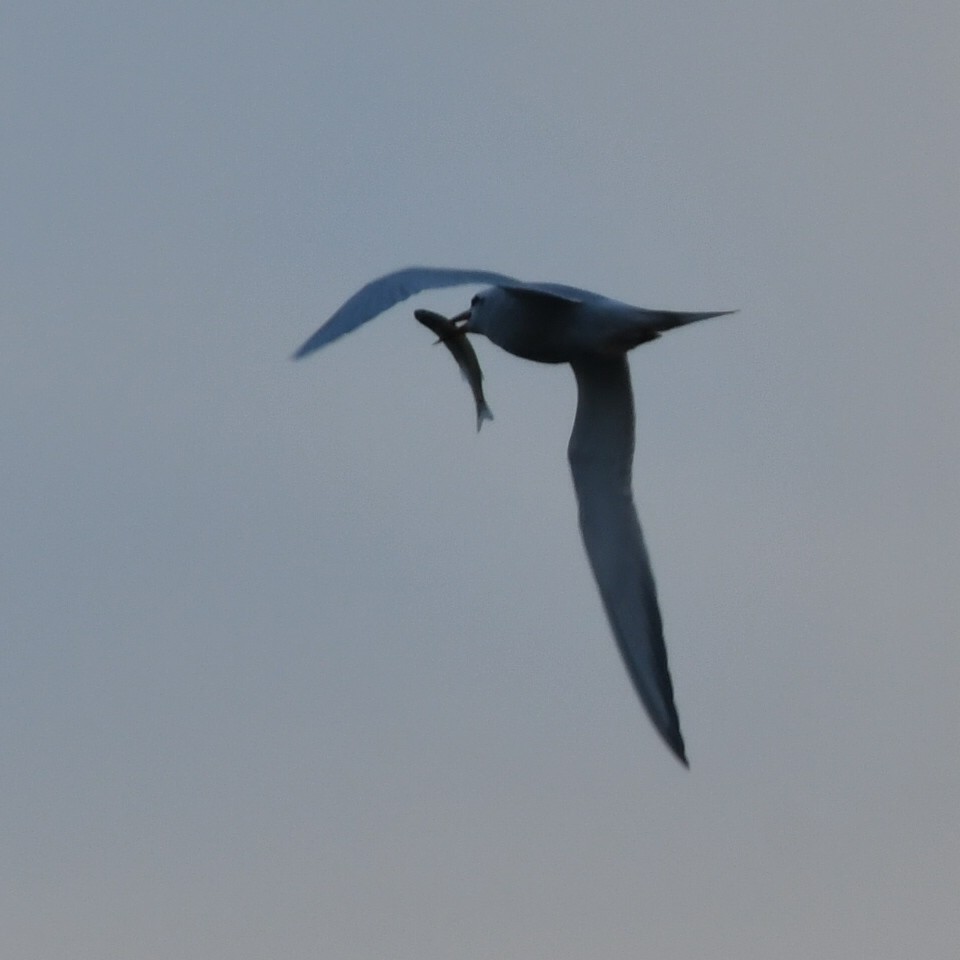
column 484, row 307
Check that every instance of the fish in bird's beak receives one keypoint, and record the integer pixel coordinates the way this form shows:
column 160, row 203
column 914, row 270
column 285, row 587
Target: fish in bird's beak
column 454, row 339
column 462, row 320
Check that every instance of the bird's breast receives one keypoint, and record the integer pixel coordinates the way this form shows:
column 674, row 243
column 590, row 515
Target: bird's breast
column 543, row 336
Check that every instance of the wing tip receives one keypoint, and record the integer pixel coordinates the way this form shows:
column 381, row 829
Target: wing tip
column 302, row 350
column 307, row 347
column 674, row 740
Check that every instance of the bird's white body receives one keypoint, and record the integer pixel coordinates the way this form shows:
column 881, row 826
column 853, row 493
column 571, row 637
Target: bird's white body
column 553, row 323
column 546, row 327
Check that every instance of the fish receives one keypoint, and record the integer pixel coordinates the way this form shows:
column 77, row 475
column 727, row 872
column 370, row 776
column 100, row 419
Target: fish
column 455, row 340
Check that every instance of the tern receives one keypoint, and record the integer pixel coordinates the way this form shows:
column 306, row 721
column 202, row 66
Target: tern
column 555, row 323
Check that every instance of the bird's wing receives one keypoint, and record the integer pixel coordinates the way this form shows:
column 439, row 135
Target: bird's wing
column 548, row 296
column 601, row 455
column 386, row 291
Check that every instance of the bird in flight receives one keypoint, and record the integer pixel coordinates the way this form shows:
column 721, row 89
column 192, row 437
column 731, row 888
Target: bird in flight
column 555, row 323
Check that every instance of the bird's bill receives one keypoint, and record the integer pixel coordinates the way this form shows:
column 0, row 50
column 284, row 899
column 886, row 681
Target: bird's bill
column 456, row 327
column 451, row 333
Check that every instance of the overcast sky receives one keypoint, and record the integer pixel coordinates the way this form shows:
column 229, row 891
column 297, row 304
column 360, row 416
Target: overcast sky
column 294, row 663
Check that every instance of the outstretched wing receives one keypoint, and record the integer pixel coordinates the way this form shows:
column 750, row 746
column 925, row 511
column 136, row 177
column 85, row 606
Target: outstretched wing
column 393, row 288
column 601, row 457
column 390, row 289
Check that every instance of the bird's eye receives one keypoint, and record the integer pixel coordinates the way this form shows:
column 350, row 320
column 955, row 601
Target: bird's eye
column 475, row 299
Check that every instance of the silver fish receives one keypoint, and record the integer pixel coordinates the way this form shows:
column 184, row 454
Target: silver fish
column 455, row 340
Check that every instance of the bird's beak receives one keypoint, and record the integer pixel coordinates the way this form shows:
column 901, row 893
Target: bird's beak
column 456, row 329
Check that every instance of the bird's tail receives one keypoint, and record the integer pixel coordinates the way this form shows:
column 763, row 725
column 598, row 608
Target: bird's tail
column 664, row 320
column 641, row 326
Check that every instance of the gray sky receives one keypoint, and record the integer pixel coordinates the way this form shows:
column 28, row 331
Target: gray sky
column 294, row 663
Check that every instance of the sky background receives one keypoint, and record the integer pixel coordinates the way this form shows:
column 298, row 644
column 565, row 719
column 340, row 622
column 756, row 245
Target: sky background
column 295, row 664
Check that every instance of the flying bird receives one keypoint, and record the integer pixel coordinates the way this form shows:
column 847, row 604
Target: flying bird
column 555, row 323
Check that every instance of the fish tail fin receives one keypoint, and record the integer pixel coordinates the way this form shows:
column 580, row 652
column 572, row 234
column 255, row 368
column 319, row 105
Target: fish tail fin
column 483, row 413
